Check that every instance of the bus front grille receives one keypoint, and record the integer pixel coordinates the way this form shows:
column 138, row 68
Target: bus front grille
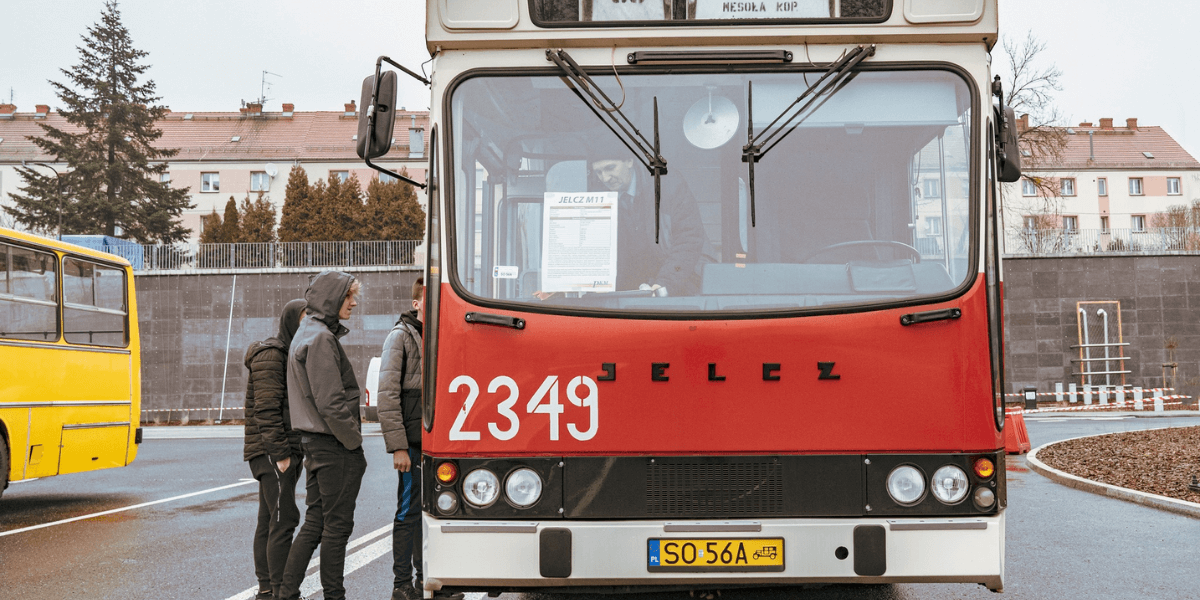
column 704, row 487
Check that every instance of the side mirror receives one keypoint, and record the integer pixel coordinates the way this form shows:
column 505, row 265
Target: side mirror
column 1008, row 161
column 377, row 118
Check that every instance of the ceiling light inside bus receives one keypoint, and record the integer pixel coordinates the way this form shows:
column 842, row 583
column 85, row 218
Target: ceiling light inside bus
column 711, row 121
column 523, row 487
column 906, row 485
column 481, row 487
column 950, row 484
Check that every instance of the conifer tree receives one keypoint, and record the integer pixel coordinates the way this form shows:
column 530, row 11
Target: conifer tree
column 257, row 219
column 345, row 215
column 113, row 168
column 295, row 222
column 211, row 230
column 393, row 212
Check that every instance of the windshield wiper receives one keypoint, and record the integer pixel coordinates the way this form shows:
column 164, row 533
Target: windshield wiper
column 830, row 83
column 648, row 154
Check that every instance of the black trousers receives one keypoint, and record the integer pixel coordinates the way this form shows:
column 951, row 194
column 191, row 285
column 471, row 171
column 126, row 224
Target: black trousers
column 278, row 517
column 406, row 528
column 334, row 477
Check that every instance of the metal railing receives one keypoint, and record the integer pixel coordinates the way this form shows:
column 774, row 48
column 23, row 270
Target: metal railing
column 1153, row 240
column 281, row 255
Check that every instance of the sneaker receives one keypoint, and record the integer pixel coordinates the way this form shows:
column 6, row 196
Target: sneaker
column 406, row 592
column 264, row 596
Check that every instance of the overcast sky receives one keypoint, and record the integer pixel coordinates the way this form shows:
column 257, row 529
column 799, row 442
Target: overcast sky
column 1119, row 59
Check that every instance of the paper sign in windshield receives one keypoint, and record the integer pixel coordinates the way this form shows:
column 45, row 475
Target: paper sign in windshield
column 786, row 9
column 579, row 242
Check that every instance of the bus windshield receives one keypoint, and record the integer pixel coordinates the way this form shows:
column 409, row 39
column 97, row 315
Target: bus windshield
column 864, row 200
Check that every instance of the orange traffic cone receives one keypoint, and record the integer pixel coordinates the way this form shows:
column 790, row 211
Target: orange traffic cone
column 1016, row 437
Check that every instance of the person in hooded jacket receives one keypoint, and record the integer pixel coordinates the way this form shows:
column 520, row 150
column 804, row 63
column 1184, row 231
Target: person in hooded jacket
column 273, row 450
column 323, row 397
column 400, row 422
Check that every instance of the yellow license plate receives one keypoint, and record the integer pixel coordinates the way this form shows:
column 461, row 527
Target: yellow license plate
column 677, row 554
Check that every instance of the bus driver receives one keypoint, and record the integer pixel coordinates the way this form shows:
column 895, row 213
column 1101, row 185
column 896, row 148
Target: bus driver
column 675, row 262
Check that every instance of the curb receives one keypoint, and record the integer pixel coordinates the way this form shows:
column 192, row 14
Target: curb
column 1181, row 507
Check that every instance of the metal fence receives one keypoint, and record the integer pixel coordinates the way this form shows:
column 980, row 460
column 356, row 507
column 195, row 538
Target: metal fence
column 1155, row 240
column 282, row 255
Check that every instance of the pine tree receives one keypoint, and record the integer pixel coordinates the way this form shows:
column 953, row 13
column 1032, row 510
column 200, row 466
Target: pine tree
column 295, row 222
column 211, row 230
column 345, row 217
column 231, row 228
column 257, row 218
column 113, row 172
column 393, row 212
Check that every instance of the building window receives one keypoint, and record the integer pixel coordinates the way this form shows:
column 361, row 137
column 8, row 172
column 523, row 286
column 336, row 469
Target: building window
column 1102, row 186
column 1071, row 223
column 259, row 182
column 1173, row 186
column 933, row 225
column 164, row 177
column 341, row 175
column 1137, row 222
column 210, row 182
column 1030, row 223
column 1104, row 224
column 1067, row 187
column 1135, row 186
column 385, row 178
column 416, row 143
column 1027, row 188
column 932, row 189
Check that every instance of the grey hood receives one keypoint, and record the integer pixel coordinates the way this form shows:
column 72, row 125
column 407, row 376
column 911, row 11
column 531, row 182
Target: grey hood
column 325, row 296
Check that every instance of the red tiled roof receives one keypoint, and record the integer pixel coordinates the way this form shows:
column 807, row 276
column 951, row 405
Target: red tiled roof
column 1121, row 148
column 305, row 136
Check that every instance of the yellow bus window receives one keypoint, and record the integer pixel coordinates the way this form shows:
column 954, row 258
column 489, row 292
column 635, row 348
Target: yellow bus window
column 29, row 295
column 93, row 304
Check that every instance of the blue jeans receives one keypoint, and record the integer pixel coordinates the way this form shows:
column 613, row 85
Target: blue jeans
column 406, row 528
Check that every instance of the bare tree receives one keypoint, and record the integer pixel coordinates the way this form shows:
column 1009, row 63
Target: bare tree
column 1031, row 84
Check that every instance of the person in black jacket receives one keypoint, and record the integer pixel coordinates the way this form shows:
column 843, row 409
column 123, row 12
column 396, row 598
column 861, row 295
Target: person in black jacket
column 323, row 396
column 400, row 422
column 676, row 260
column 273, row 450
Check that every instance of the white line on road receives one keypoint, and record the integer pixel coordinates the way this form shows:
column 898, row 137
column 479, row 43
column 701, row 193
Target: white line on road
column 117, row 510
column 307, row 587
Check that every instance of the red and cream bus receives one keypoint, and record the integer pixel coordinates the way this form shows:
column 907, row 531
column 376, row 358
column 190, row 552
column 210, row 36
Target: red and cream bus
column 714, row 293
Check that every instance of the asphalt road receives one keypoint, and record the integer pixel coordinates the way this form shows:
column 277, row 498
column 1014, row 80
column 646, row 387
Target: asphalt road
column 1061, row 543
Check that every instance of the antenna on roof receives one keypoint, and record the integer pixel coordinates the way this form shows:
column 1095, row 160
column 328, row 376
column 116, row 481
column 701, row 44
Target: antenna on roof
column 262, row 97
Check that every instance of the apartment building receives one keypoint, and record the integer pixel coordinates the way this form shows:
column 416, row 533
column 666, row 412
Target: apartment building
column 1109, row 180
column 223, row 154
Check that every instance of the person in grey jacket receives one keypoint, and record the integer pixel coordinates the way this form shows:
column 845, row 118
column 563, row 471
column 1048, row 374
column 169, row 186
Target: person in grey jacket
column 323, row 399
column 273, row 450
column 400, row 421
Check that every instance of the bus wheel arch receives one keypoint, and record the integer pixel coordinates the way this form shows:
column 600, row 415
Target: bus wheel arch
column 5, row 458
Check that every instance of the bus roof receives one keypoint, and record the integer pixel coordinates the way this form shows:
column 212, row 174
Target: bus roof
column 53, row 244
column 483, row 24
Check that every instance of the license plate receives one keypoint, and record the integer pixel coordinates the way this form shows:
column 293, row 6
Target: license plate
column 743, row 554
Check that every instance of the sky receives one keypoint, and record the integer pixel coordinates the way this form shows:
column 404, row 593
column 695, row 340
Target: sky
column 1119, row 59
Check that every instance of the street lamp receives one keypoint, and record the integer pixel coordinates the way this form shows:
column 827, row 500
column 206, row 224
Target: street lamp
column 58, row 182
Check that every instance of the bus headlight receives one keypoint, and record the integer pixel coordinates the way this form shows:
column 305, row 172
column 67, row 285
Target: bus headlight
column 906, row 485
column 481, row 487
column 984, row 498
column 523, row 487
column 447, row 503
column 949, row 484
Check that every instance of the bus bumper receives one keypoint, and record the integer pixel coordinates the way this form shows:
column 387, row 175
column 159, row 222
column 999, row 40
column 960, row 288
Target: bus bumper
column 613, row 555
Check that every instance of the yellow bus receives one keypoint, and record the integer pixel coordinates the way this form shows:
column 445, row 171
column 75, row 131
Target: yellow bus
column 70, row 366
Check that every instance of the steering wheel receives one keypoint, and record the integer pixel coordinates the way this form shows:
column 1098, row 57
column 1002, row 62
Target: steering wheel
column 888, row 243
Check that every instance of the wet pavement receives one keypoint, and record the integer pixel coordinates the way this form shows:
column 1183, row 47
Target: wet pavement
column 194, row 541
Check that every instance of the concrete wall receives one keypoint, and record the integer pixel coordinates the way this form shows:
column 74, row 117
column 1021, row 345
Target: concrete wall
column 184, row 322
column 1160, row 302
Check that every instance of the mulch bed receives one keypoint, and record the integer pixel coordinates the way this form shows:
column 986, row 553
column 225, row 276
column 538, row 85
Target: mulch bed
column 1160, row 461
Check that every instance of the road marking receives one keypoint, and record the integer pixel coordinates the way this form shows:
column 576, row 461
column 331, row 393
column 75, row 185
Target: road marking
column 117, row 510
column 353, row 562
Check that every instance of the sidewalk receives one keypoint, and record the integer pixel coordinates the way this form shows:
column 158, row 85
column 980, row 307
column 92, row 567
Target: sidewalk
column 208, row 432
column 1091, row 414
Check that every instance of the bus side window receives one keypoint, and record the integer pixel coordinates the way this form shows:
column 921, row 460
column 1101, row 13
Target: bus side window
column 29, row 309
column 94, row 307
